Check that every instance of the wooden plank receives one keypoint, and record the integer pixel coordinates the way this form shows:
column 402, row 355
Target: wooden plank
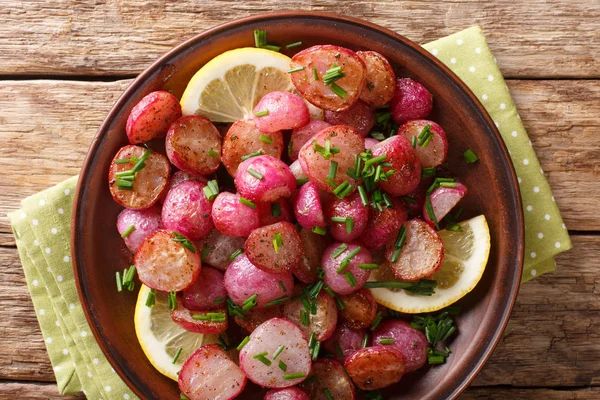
column 553, row 338
column 47, row 126
column 33, row 391
column 530, row 38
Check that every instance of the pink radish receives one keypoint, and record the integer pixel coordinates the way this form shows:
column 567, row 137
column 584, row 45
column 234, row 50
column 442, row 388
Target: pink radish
column 151, row 117
column 380, row 84
column 264, row 179
column 303, row 134
column 307, row 207
column 139, row 224
column 359, row 116
column 444, row 199
column 233, row 218
column 280, row 110
column 432, row 152
column 411, row 101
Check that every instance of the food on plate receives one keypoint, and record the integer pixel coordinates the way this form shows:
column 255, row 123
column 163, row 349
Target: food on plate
column 316, row 239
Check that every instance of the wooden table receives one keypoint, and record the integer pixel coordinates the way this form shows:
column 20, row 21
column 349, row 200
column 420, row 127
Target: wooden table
column 63, row 64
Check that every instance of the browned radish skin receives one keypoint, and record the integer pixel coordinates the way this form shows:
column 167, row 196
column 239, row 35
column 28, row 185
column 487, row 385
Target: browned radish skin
column 322, row 323
column 444, row 199
column 316, row 166
column 207, row 292
column 303, row 134
column 149, row 183
column 165, row 264
column 380, row 83
column 267, row 338
column 359, row 310
column 359, row 116
column 209, row 374
column 313, row 245
column 370, row 142
column 331, row 377
column 151, row 117
column 284, row 110
column 181, row 176
column 266, row 210
column 307, row 207
column 193, row 144
column 348, row 207
column 274, row 248
column 435, row 153
column 411, row 101
column 375, row 367
column 292, row 393
column 421, row 255
column 144, row 223
column 264, row 179
column 256, row 316
column 243, row 138
column 322, row 58
column 231, row 217
column 185, row 318
column 243, row 280
column 187, row 210
column 383, row 225
column 338, row 282
column 405, row 162
column 345, row 340
column 411, row 342
column 217, row 248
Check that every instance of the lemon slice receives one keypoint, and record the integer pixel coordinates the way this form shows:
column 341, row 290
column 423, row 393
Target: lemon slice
column 465, row 257
column 161, row 338
column 227, row 88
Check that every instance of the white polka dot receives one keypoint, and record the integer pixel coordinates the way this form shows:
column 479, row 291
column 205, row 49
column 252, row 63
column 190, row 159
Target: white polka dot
column 530, row 145
column 42, row 311
column 519, row 179
column 490, row 78
column 57, row 323
column 47, row 250
column 533, row 272
column 36, row 243
column 59, row 278
column 107, row 388
column 42, row 202
column 536, row 189
column 23, row 215
column 533, row 255
column 49, row 269
column 497, row 124
column 540, row 235
column 74, row 365
column 65, row 352
column 49, row 340
column 71, row 306
column 35, row 282
column 459, row 42
column 525, row 162
column 529, row 208
column 514, row 133
column 126, row 396
column 66, row 258
column 89, row 374
column 453, row 60
column 83, row 333
column 557, row 245
column 496, row 61
column 113, row 370
column 547, row 217
column 434, row 52
column 61, row 211
column 564, row 226
column 484, row 96
column 67, row 192
column 57, row 368
column 502, row 106
column 53, row 231
column 553, row 199
column 18, row 234
column 477, row 50
column 518, row 116
column 95, row 361
column 35, row 222
column 472, row 69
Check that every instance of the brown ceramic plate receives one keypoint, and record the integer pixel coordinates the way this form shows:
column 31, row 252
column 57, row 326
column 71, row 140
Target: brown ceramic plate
column 98, row 250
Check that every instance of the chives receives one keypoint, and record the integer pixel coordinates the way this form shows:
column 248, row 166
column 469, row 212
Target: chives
column 368, row 266
column 338, row 349
column 340, row 303
column 297, row 69
column 151, row 299
column 430, row 212
column 278, row 351
column 124, row 184
column 282, row 286
column 255, row 154
column 363, row 195
column 234, row 309
column 386, row 341
column 413, row 141
column 424, row 287
column 409, row 200
column 255, row 174
column 375, row 160
column 346, row 261
column 350, row 278
column 261, row 357
column 425, row 136
column 235, row 254
column 448, row 184
column 211, row 190
column 383, row 117
column 304, row 318
column 119, row 283
column 428, row 172
column 276, row 209
column 337, row 252
column 337, row 90
column 333, row 74
column 185, row 242
column 313, row 308
column 250, row 299
column 177, row 355
column 400, row 239
column 262, row 113
column 341, row 188
column 315, row 289
column 318, row 230
column 128, row 277
column 121, row 161
column 311, row 340
column 305, row 303
column 378, row 135
column 243, row 343
column 277, row 301
column 295, row 44
column 247, row 202
column 282, row 366
column 260, row 37
column 315, row 73
column 377, row 320
column 172, row 300
column 218, row 300
column 271, row 47
column 205, row 252
column 365, row 341
column 294, row 376
column 332, row 170
column 470, row 156
column 315, row 351
column 216, row 317
column 301, row 181
column 349, row 224
column 328, row 394
column 320, row 272
column 213, row 153
column 329, row 291
column 265, row 139
column 183, row 397
column 339, row 219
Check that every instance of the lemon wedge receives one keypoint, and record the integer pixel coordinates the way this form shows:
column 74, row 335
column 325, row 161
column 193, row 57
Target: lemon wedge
column 227, row 88
column 161, row 338
column 465, row 258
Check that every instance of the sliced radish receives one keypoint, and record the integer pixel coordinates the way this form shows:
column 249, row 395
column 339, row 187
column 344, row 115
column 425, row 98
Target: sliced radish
column 274, row 248
column 331, row 378
column 207, row 292
column 433, row 152
column 375, row 367
column 359, row 309
column 322, row 322
column 291, row 393
column 345, row 341
column 444, row 199
column 380, row 84
column 205, row 322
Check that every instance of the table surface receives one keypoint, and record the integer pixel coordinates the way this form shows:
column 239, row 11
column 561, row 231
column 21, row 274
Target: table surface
column 63, row 64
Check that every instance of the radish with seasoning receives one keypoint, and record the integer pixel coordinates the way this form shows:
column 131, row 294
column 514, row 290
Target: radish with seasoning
column 359, row 309
column 233, row 215
column 380, row 83
column 152, row 116
column 320, row 318
column 292, row 393
column 332, row 381
column 300, row 136
column 307, row 207
column 348, row 217
column 345, row 341
column 344, row 266
column 207, row 292
column 136, row 225
column 280, row 110
column 411, row 342
column 307, row 270
column 383, row 225
column 216, row 249
column 375, row 367
column 264, row 179
column 274, row 248
column 205, row 322
column 404, row 162
column 444, row 199
column 278, row 211
column 359, row 116
column 187, row 210
column 429, row 140
column 253, row 317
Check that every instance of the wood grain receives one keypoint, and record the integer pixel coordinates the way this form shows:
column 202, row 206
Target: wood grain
column 47, row 126
column 551, row 340
column 33, row 391
column 530, row 38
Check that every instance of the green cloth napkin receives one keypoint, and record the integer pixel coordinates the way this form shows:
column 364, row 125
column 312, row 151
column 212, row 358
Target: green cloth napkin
column 42, row 227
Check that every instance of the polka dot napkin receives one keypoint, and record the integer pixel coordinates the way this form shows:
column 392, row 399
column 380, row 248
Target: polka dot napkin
column 41, row 230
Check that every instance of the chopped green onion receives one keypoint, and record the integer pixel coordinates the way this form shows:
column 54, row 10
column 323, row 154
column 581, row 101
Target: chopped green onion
column 183, row 397
column 218, row 300
column 271, row 47
column 255, row 154
column 247, row 202
column 365, row 341
column 260, row 37
column 124, row 184
column 368, row 266
column 328, row 395
column 265, row 139
column 128, row 277
column 428, row 172
column 250, row 299
column 470, row 156
column 346, row 261
column 119, row 282
column 339, row 250
column 448, row 184
column 211, row 190
column 297, row 69
column 386, row 341
column 350, row 278
column 315, row 289
column 337, row 90
column 435, row 359
column 213, row 153
column 363, row 195
column 304, row 318
column 383, row 117
column 409, row 200
column 121, row 160
column 413, row 141
column 277, row 301
column 216, row 317
column 315, row 73
column 282, row 286
column 378, row 136
column 243, row 343
column 338, row 349
column 374, row 160
column 430, row 212
column 332, row 170
column 311, row 340
column 377, row 320
column 294, row 376
column 278, row 351
column 349, row 224
column 301, row 181
column 255, row 174
column 185, row 242
column 320, row 272
column 172, row 300
column 205, row 252
column 318, row 230
column 329, row 291
column 282, row 366
column 276, row 209
column 128, row 231
column 315, row 351
column 424, row 287
column 333, row 74
column 235, row 254
column 341, row 220
column 177, row 355
column 262, row 113
column 261, row 357
column 340, row 303
column 151, row 299
column 295, row 44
